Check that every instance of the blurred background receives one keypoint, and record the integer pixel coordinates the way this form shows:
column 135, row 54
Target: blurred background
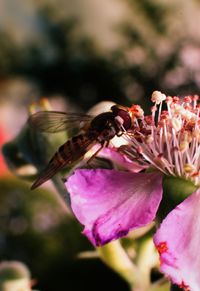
column 76, row 54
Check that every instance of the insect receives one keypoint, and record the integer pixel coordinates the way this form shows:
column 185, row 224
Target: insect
column 93, row 130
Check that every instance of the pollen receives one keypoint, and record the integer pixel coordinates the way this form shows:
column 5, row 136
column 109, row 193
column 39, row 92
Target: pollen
column 169, row 138
column 136, row 111
column 189, row 168
column 158, row 97
column 183, row 146
column 176, row 124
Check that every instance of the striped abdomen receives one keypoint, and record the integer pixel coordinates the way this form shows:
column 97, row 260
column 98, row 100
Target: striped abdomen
column 69, row 152
column 73, row 149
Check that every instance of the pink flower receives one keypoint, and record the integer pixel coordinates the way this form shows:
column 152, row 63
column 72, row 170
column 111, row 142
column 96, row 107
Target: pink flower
column 110, row 203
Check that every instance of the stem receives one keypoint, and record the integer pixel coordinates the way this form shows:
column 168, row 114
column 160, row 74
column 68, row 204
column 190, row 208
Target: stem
column 147, row 259
column 59, row 185
column 114, row 256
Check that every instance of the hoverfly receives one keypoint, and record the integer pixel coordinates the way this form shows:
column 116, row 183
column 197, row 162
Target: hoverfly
column 98, row 129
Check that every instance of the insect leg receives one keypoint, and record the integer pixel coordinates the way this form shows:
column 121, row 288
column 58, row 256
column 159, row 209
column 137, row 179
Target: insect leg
column 96, row 153
column 120, row 134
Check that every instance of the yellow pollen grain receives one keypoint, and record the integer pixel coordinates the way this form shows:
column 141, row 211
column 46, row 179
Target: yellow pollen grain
column 183, row 146
column 188, row 168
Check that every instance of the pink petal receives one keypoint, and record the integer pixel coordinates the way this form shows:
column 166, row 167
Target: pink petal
column 120, row 159
column 109, row 203
column 178, row 242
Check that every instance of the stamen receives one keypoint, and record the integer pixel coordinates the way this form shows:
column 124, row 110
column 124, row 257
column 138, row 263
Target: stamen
column 189, row 168
column 157, row 97
column 171, row 141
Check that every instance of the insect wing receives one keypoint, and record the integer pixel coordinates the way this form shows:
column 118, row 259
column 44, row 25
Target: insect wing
column 56, row 121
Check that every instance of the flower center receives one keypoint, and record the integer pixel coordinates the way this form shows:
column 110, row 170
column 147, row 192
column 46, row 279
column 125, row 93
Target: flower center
column 167, row 139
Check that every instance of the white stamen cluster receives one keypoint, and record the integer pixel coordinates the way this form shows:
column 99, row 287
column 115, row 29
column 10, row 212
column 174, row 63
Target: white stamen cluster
column 168, row 139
